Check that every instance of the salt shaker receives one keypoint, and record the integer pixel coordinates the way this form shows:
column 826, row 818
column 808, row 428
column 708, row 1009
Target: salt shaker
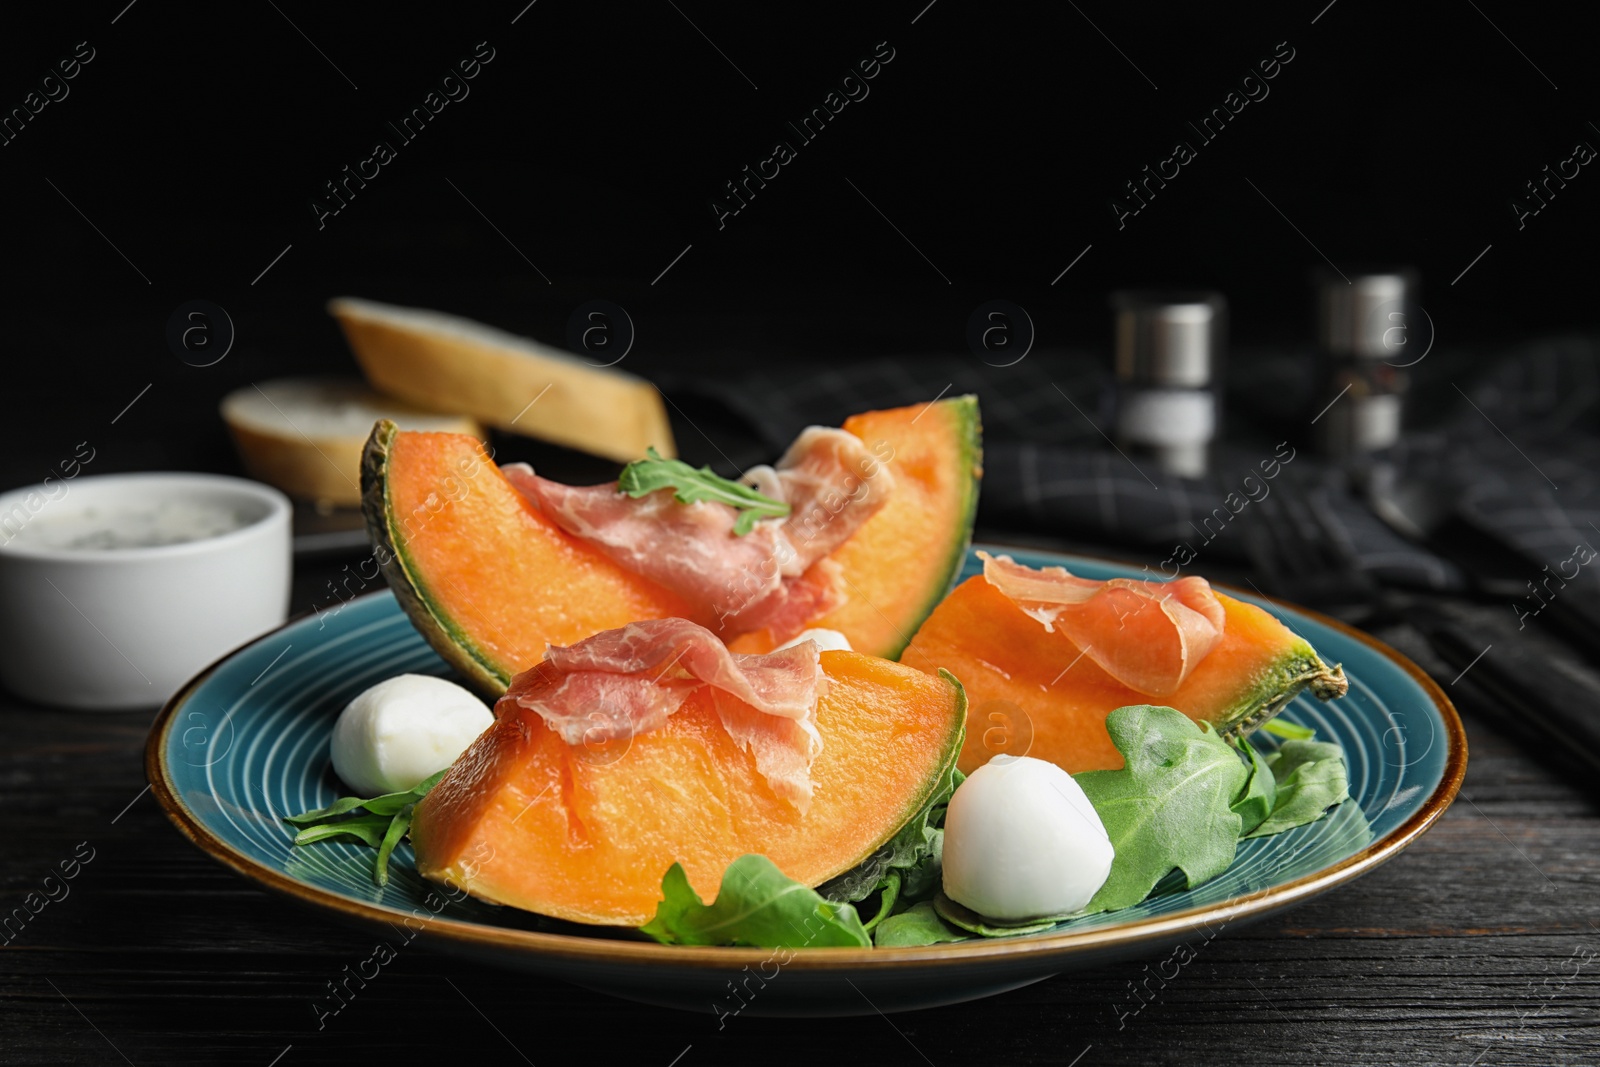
column 1168, row 360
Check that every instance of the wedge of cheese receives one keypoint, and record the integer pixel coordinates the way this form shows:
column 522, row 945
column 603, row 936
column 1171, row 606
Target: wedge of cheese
column 305, row 435
column 509, row 382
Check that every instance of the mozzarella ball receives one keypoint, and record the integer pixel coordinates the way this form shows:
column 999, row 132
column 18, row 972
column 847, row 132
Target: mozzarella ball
column 827, row 640
column 403, row 730
column 1022, row 841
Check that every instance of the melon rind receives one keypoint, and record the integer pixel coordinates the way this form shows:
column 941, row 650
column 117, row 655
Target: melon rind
column 967, row 425
column 453, row 644
column 1280, row 683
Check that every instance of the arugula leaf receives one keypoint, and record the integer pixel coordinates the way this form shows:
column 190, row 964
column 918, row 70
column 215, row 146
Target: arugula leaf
column 1286, row 729
column 1254, row 804
column 645, row 476
column 398, row 827
column 923, row 878
column 368, row 829
column 386, row 822
column 757, row 905
column 914, row 851
column 917, row 925
column 1296, row 753
column 888, row 900
column 1310, row 778
column 1168, row 807
column 387, row 804
column 963, row 917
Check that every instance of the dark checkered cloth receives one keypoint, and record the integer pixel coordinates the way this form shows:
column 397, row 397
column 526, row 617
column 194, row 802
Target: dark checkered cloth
column 1523, row 463
column 1052, row 469
column 1521, row 458
column 1525, row 456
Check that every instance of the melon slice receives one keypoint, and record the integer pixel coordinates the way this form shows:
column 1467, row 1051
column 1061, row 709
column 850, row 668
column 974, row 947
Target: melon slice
column 585, row 834
column 1034, row 693
column 900, row 564
column 491, row 583
column 486, row 578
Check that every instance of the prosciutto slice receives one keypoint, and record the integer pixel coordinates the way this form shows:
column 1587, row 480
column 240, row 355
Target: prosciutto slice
column 832, row 484
column 1147, row 635
column 625, row 682
column 770, row 578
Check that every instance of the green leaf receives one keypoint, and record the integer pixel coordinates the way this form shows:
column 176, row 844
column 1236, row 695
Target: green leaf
column 914, row 851
column 1311, row 778
column 1254, row 804
column 1169, row 807
column 393, row 803
column 1292, row 731
column 917, row 925
column 645, row 476
column 386, row 822
column 1295, row 754
column 368, row 829
column 342, row 806
column 923, row 878
column 888, row 899
column 397, row 829
column 963, row 917
column 757, row 905
column 387, row 804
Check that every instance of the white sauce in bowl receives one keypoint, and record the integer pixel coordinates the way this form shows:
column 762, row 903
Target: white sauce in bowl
column 129, row 525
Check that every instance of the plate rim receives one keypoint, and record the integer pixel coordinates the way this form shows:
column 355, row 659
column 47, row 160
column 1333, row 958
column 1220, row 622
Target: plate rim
column 575, row 948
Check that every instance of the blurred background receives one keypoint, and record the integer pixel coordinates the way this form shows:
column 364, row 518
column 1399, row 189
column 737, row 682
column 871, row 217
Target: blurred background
column 1030, row 156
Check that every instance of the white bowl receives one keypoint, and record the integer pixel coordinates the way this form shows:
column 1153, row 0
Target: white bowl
column 125, row 627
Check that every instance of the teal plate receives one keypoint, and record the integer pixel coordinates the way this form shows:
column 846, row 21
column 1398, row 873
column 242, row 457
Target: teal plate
column 246, row 742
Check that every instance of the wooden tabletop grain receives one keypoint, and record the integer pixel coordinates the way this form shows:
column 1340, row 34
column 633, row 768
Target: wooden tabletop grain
column 1477, row 946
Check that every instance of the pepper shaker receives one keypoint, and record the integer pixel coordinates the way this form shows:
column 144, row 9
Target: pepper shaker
column 1168, row 361
column 1362, row 327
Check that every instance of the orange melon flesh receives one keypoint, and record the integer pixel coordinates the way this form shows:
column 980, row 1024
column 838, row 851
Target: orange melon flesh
column 585, row 834
column 1032, row 693
column 491, row 579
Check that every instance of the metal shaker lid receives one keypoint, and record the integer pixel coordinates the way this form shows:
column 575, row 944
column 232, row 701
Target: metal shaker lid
column 1351, row 319
column 1167, row 338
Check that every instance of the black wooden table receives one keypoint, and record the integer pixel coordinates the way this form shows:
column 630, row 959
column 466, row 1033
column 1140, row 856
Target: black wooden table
column 1479, row 945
